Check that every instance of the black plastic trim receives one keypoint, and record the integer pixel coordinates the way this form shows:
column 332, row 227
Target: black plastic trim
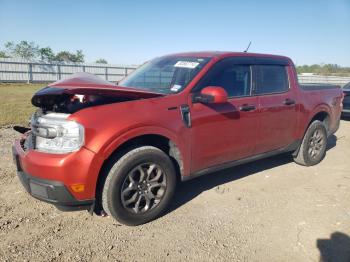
column 57, row 193
column 253, row 60
column 53, row 192
column 21, row 129
column 186, row 115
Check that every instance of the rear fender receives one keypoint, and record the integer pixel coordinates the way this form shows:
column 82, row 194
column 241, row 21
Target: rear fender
column 321, row 108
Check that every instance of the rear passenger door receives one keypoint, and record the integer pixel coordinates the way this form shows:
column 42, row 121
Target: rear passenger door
column 277, row 107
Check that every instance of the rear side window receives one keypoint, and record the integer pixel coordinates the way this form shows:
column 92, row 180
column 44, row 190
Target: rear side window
column 271, row 79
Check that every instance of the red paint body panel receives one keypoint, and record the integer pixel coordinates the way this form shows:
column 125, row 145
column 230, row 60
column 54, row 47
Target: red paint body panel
column 219, row 133
column 74, row 168
column 277, row 122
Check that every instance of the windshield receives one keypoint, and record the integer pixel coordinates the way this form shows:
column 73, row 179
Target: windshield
column 165, row 75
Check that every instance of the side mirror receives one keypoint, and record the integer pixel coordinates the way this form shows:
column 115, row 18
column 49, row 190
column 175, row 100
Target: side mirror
column 211, row 95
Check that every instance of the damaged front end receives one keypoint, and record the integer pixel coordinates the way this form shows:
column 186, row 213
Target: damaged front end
column 84, row 90
column 69, row 101
column 50, row 128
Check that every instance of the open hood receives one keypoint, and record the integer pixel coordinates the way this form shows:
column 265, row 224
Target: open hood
column 83, row 90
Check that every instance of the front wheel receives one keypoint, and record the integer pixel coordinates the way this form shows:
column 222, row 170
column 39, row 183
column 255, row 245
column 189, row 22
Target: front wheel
column 313, row 147
column 139, row 186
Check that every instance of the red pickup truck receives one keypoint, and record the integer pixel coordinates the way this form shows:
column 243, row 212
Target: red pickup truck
column 121, row 148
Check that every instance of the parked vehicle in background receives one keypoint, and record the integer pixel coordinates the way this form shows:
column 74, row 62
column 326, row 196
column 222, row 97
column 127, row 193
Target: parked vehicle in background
column 346, row 102
column 95, row 145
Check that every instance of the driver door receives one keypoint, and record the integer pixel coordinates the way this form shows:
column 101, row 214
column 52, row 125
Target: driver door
column 222, row 133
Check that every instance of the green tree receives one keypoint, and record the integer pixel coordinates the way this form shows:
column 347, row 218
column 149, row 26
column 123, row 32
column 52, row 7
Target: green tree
column 4, row 55
column 9, row 46
column 63, row 56
column 46, row 54
column 66, row 56
column 79, row 56
column 101, row 61
column 324, row 69
column 24, row 49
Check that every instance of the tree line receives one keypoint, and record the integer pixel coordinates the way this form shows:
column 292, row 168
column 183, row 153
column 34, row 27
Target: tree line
column 31, row 51
column 324, row 69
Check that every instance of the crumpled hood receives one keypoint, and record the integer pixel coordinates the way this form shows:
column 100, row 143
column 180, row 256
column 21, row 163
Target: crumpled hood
column 88, row 85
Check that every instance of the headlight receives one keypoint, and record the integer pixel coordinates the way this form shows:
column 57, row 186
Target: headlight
column 55, row 134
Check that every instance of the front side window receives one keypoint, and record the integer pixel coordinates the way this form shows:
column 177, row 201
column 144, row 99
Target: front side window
column 234, row 78
column 166, row 74
column 271, row 79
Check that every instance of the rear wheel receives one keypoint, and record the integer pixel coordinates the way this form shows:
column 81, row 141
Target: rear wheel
column 139, row 186
column 313, row 147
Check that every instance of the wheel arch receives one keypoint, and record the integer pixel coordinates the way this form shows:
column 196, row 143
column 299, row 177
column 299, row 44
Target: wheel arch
column 321, row 115
column 122, row 145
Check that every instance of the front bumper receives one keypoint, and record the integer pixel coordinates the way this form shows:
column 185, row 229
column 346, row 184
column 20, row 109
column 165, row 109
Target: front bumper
column 48, row 179
column 53, row 192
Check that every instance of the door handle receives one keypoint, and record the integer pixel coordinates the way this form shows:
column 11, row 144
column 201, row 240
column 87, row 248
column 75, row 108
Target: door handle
column 289, row 102
column 246, row 108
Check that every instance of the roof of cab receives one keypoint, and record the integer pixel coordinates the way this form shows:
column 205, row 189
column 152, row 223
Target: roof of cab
column 222, row 54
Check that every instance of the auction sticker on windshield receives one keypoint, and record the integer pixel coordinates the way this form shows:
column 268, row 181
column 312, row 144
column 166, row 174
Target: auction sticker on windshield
column 186, row 64
column 175, row 88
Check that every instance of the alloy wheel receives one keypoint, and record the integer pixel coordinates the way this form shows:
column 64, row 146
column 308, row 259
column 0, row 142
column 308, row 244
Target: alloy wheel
column 143, row 188
column 316, row 143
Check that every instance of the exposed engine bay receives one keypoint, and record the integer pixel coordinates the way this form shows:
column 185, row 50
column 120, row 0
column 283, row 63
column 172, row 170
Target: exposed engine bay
column 57, row 100
column 81, row 90
column 84, row 90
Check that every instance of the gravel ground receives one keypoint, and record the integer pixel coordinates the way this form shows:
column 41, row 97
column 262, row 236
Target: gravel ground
column 270, row 210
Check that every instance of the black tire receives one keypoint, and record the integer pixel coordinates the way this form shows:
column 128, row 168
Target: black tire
column 128, row 175
column 314, row 138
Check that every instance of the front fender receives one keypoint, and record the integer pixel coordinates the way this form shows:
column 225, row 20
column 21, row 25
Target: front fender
column 113, row 144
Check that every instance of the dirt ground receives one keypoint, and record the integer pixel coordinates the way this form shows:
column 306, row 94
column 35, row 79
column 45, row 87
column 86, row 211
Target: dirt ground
column 270, row 210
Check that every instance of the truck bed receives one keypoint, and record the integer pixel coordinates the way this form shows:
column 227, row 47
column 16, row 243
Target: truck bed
column 317, row 86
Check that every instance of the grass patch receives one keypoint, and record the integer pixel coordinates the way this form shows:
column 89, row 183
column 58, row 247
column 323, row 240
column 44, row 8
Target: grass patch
column 15, row 105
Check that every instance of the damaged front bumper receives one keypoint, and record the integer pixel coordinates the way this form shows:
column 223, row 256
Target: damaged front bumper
column 45, row 178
